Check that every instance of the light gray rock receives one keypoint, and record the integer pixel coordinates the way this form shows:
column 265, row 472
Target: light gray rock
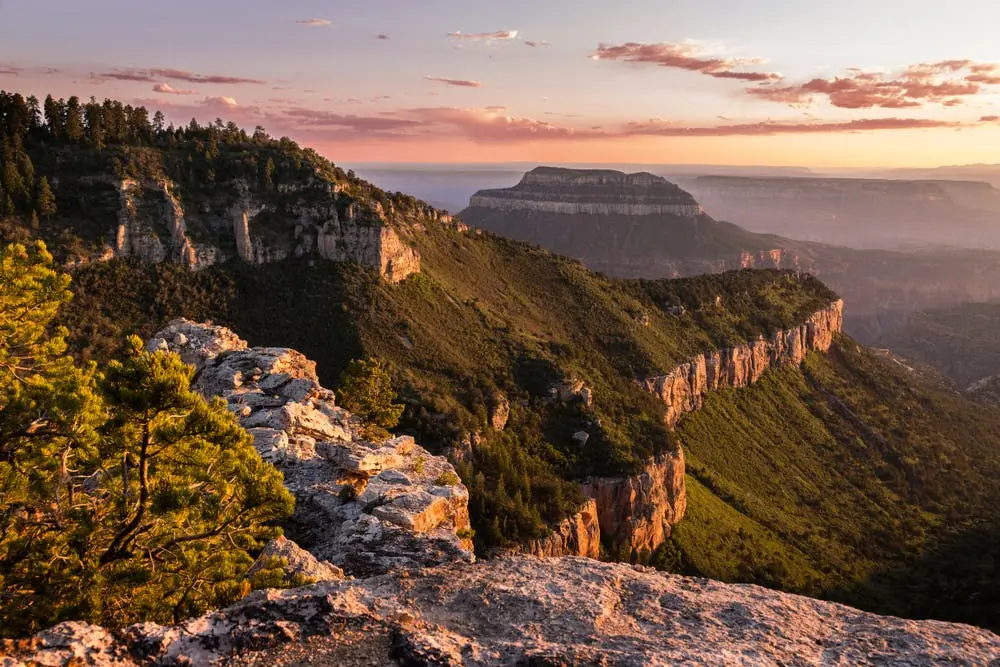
column 365, row 506
column 296, row 561
column 527, row 611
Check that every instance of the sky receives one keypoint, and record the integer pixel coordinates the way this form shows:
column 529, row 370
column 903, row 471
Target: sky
column 851, row 83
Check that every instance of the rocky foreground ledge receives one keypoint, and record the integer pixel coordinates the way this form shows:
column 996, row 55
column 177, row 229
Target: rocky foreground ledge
column 522, row 611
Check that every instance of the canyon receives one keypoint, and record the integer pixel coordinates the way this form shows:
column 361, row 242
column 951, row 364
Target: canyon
column 882, row 286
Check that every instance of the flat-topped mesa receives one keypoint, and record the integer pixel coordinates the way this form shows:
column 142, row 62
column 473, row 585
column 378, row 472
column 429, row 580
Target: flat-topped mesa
column 367, row 507
column 590, row 191
column 684, row 388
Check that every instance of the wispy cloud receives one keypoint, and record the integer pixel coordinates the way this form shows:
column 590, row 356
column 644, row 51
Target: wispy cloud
column 685, row 56
column 157, row 74
column 947, row 83
column 382, row 36
column 167, row 89
column 536, row 43
column 10, row 70
column 315, row 23
column 496, row 36
column 771, row 128
column 462, row 83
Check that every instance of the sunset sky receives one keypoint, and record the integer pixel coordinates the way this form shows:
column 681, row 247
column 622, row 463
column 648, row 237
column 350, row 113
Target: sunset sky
column 846, row 83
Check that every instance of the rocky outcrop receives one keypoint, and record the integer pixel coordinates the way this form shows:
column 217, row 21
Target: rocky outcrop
column 637, row 513
column 148, row 212
column 578, row 535
column 367, row 507
column 295, row 560
column 683, row 389
column 522, row 611
column 153, row 226
column 590, row 192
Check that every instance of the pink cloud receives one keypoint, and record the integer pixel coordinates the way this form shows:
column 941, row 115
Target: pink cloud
column 10, row 70
column 770, row 128
column 461, row 83
column 947, row 83
column 315, row 23
column 685, row 57
column 167, row 89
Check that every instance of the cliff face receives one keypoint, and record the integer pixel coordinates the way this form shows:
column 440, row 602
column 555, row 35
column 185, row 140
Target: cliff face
column 367, row 507
column 590, row 192
column 521, row 611
column 153, row 226
column 578, row 535
column 683, row 389
column 636, row 513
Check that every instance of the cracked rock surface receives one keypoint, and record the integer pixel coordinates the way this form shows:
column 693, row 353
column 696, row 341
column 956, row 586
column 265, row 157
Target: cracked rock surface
column 524, row 611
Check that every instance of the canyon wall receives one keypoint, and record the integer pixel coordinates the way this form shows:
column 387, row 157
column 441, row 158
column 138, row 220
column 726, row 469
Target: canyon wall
column 154, row 226
column 637, row 513
column 683, row 389
column 578, row 535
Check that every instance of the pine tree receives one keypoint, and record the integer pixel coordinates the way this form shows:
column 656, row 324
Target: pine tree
column 45, row 201
column 191, row 496
column 49, row 415
column 366, row 390
column 125, row 497
column 74, row 119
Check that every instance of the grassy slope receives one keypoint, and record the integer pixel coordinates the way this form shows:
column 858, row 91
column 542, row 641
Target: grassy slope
column 843, row 479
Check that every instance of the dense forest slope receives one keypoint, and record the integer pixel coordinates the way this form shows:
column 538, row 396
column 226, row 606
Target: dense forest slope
column 811, row 479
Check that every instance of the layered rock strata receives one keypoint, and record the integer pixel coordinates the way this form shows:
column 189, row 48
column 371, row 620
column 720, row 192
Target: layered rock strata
column 578, row 535
column 637, row 513
column 590, row 192
column 521, row 611
column 152, row 226
column 367, row 507
column 683, row 389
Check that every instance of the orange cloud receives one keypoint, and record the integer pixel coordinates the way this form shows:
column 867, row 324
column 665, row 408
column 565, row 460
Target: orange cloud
column 946, row 82
column 461, row 83
column 685, row 57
